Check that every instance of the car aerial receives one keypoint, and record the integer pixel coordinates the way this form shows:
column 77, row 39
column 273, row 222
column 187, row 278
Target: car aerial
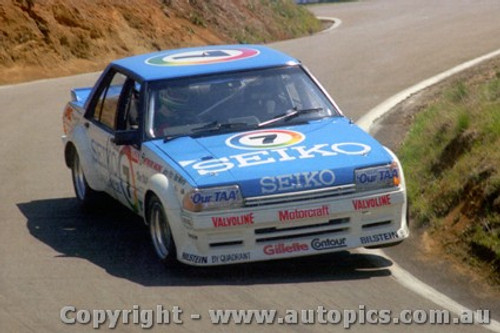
column 232, row 153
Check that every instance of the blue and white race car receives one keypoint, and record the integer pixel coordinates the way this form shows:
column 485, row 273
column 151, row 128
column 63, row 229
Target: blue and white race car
column 232, row 154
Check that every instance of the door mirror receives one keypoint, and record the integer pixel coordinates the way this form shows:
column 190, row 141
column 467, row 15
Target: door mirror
column 126, row 137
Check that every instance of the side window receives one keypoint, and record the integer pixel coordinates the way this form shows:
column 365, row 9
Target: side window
column 128, row 108
column 106, row 107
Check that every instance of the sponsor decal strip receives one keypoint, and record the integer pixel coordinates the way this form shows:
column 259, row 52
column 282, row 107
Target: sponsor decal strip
column 379, row 237
column 231, row 257
column 194, row 258
column 299, row 214
column 230, row 221
column 328, row 243
column 363, row 204
column 275, row 249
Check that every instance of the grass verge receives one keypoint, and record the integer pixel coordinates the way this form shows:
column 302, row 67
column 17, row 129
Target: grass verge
column 451, row 159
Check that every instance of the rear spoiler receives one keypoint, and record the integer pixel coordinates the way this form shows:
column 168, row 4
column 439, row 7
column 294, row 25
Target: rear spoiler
column 80, row 95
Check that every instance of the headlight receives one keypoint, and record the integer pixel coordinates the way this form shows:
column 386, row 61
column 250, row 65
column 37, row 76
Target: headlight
column 213, row 198
column 379, row 177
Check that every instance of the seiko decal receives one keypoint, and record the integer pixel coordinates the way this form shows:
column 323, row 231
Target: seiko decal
column 204, row 57
column 379, row 237
column 328, row 243
column 275, row 249
column 229, row 221
column 363, row 204
column 299, row 214
column 276, row 155
column 297, row 181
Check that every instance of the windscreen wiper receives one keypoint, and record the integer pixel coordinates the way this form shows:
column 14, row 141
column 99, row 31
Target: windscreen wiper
column 288, row 115
column 215, row 126
column 172, row 137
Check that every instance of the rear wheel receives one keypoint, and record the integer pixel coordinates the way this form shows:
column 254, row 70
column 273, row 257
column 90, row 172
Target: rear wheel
column 85, row 195
column 161, row 234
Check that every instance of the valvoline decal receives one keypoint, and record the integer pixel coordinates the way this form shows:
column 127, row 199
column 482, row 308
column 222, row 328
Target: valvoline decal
column 269, row 161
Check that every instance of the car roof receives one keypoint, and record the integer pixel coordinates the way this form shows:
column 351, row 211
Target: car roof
column 203, row 60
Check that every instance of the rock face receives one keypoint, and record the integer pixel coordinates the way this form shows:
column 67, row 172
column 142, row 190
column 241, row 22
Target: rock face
column 43, row 38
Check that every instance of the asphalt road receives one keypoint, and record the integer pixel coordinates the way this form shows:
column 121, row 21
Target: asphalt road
column 52, row 255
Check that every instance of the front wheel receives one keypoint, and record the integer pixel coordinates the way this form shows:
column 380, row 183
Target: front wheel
column 161, row 234
column 85, row 195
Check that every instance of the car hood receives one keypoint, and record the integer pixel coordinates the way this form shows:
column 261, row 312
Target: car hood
column 309, row 156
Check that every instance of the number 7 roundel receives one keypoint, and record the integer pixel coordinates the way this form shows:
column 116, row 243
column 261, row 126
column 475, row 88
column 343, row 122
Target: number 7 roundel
column 265, row 139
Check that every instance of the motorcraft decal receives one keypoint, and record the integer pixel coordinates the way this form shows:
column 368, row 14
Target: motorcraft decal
column 300, row 214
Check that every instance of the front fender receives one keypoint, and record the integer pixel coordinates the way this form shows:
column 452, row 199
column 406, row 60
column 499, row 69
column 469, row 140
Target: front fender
column 404, row 213
column 160, row 185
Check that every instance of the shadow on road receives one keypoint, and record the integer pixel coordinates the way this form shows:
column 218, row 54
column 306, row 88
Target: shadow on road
column 118, row 241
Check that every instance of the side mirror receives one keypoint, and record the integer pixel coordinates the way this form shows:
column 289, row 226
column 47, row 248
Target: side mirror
column 126, row 137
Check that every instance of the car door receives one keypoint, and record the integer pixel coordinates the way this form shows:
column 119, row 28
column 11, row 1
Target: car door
column 101, row 122
column 124, row 160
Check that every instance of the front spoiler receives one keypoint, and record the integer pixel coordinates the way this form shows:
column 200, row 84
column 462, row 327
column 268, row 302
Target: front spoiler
column 343, row 228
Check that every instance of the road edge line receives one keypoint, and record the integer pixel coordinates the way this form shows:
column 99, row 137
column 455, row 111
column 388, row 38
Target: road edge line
column 367, row 121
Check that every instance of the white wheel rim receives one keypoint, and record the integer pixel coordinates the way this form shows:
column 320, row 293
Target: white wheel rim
column 160, row 231
column 79, row 179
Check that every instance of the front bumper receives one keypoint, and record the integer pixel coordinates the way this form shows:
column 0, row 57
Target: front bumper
column 293, row 229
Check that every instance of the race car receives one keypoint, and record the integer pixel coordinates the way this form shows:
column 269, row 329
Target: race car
column 231, row 154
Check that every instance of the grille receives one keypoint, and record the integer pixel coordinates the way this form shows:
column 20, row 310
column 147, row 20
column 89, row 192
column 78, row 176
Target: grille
column 329, row 227
column 375, row 224
column 299, row 196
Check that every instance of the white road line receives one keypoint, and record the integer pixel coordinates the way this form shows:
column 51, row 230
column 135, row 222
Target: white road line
column 410, row 282
column 402, row 276
column 367, row 121
column 336, row 23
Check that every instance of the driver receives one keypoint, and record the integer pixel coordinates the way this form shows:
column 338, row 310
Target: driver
column 172, row 109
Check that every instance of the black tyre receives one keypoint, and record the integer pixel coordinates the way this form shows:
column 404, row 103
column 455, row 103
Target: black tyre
column 161, row 234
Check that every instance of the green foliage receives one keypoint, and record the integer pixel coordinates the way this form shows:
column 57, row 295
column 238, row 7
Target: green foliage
column 451, row 161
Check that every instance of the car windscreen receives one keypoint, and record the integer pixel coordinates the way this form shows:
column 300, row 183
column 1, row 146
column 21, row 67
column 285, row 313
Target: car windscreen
column 235, row 101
